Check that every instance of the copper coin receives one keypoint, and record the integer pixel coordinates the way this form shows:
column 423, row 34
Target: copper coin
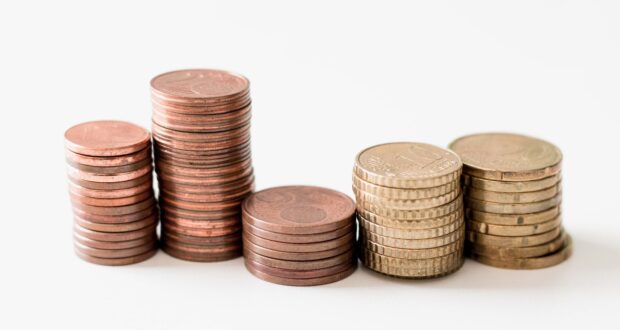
column 346, row 257
column 210, row 162
column 113, row 185
column 119, row 253
column 212, row 109
column 114, row 210
column 117, row 227
column 300, row 238
column 106, row 138
column 301, row 282
column 212, row 189
column 199, row 86
column 297, row 247
column 299, row 210
column 116, row 261
column 201, row 146
column 197, row 215
column 210, row 198
column 113, row 245
column 200, row 257
column 112, row 194
column 217, row 240
column 171, row 134
column 115, row 219
column 217, row 206
column 163, row 116
column 114, row 237
column 94, row 201
column 107, row 178
column 199, row 154
column 202, row 249
column 216, row 180
column 111, row 161
column 202, row 232
column 201, row 224
column 297, row 256
column 208, row 172
column 109, row 170
column 299, row 274
column 203, row 128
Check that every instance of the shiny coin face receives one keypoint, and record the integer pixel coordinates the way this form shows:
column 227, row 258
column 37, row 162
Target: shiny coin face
column 106, row 138
column 197, row 84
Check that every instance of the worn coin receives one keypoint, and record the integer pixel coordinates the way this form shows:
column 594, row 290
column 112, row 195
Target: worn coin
column 513, row 208
column 511, row 186
column 513, row 241
column 519, row 230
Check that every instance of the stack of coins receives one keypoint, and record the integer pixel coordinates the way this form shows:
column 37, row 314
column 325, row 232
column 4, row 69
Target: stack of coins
column 512, row 199
column 299, row 235
column 201, row 128
column 110, row 185
column 410, row 209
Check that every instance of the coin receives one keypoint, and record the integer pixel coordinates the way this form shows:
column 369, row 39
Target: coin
column 300, row 282
column 513, row 208
column 297, row 247
column 497, row 252
column 200, row 257
column 117, row 227
column 110, row 170
column 513, row 241
column 106, row 138
column 201, row 224
column 113, row 245
column 115, row 219
column 507, row 157
column 399, row 193
column 110, row 161
column 109, row 194
column 112, row 185
column 116, row 261
column 519, row 230
column 298, row 274
column 513, row 198
column 114, row 210
column 197, row 215
column 409, row 204
column 412, row 224
column 116, row 253
column 369, row 257
column 296, row 256
column 302, row 238
column 94, row 201
column 410, row 233
column 413, row 254
column 514, row 219
column 107, row 178
column 511, row 186
column 168, row 235
column 407, row 165
column 416, row 273
column 426, row 243
column 203, row 249
column 114, row 237
column 346, row 257
column 202, row 232
column 412, row 214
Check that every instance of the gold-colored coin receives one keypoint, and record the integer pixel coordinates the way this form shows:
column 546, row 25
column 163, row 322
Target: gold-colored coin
column 406, row 204
column 407, row 165
column 449, row 259
column 512, row 208
column 435, row 212
column 426, row 243
column 433, row 271
column 516, row 198
column 519, row 230
column 508, row 186
column 507, row 157
column 401, row 193
column 548, row 260
column 514, row 219
column 411, row 253
column 411, row 224
column 496, row 252
column 513, row 241
column 409, row 233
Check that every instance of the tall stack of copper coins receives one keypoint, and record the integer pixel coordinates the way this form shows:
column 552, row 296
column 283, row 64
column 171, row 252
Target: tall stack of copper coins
column 512, row 199
column 299, row 235
column 409, row 209
column 201, row 129
column 110, row 185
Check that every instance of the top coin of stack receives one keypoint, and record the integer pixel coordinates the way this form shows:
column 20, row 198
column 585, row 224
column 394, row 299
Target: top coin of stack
column 512, row 197
column 201, row 128
column 299, row 235
column 110, row 184
column 410, row 209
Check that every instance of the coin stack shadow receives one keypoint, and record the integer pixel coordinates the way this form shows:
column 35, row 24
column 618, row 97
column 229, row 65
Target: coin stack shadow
column 299, row 235
column 409, row 209
column 110, row 185
column 513, row 193
column 201, row 129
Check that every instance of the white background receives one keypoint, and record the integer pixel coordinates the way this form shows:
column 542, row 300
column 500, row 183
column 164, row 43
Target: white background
column 328, row 79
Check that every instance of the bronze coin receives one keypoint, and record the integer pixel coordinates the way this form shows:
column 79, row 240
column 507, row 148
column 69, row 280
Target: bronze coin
column 299, row 210
column 497, row 252
column 194, row 240
column 299, row 274
column 112, row 185
column 346, row 257
column 301, row 282
column 201, row 224
column 210, row 198
column 197, row 215
column 114, row 210
column 200, row 181
column 199, row 154
column 106, row 138
column 297, row 247
column 300, row 238
column 111, row 161
column 233, row 157
column 212, row 189
column 110, row 170
column 201, row 123
column 203, row 128
column 202, row 249
column 111, row 194
column 118, row 253
column 114, row 237
column 202, row 232
column 94, row 201
column 200, row 257
column 117, row 227
column 107, row 178
column 115, row 219
column 113, row 245
column 116, row 261
column 297, row 256
column 201, row 146
column 199, row 86
column 218, row 206
column 205, row 110
column 171, row 134
column 205, row 172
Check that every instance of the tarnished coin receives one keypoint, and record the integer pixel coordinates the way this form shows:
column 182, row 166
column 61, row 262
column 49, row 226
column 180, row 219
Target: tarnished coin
column 519, row 230
column 514, row 219
column 513, row 241
column 511, row 186
column 298, row 274
column 414, row 243
column 116, row 261
column 544, row 261
column 412, row 253
column 302, row 238
column 344, row 258
column 407, row 214
column 300, row 281
column 410, row 233
column 110, row 161
column 297, row 256
column 497, row 252
column 400, row 193
column 106, row 138
column 406, row 204
column 297, row 247
column 507, row 157
column 412, row 224
column 513, row 208
column 407, row 165
column 513, row 198
column 299, row 210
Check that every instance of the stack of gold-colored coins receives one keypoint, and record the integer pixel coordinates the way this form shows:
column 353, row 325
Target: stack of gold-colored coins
column 201, row 128
column 512, row 199
column 410, row 209
column 111, row 189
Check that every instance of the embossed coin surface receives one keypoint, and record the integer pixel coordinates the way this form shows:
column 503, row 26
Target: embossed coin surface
column 199, row 86
column 106, row 138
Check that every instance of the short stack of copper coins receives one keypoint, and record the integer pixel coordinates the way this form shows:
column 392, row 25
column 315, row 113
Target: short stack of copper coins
column 512, row 199
column 410, row 209
column 299, row 235
column 110, row 185
column 201, row 132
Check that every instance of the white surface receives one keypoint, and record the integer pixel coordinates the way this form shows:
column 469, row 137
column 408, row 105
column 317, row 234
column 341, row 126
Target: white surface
column 327, row 80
